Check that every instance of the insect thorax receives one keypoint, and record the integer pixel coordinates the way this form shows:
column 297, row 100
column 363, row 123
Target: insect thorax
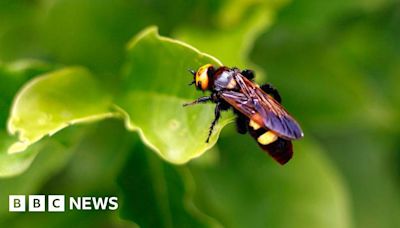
column 225, row 80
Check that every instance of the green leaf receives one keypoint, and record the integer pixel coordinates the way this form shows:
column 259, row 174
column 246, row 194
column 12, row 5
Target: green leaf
column 14, row 164
column 52, row 158
column 248, row 189
column 155, row 86
column 53, row 101
column 12, row 76
column 158, row 194
column 82, row 160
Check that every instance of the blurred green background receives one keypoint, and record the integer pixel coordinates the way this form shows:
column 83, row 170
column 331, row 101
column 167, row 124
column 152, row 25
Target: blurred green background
column 336, row 65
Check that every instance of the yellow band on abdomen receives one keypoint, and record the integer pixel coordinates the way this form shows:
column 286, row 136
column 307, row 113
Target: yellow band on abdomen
column 254, row 125
column 267, row 138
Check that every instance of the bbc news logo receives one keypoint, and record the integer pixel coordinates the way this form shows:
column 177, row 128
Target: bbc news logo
column 57, row 203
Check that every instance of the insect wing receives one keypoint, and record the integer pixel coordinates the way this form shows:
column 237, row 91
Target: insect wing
column 241, row 103
column 256, row 104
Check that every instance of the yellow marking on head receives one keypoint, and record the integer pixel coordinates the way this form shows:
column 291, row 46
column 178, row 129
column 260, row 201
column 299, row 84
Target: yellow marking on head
column 202, row 77
column 267, row 138
column 254, row 125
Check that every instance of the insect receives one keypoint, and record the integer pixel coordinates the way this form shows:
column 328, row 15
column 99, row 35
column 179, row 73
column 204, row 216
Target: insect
column 257, row 108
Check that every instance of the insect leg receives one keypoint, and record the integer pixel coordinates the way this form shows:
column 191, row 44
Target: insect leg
column 198, row 101
column 249, row 74
column 268, row 88
column 242, row 123
column 217, row 112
